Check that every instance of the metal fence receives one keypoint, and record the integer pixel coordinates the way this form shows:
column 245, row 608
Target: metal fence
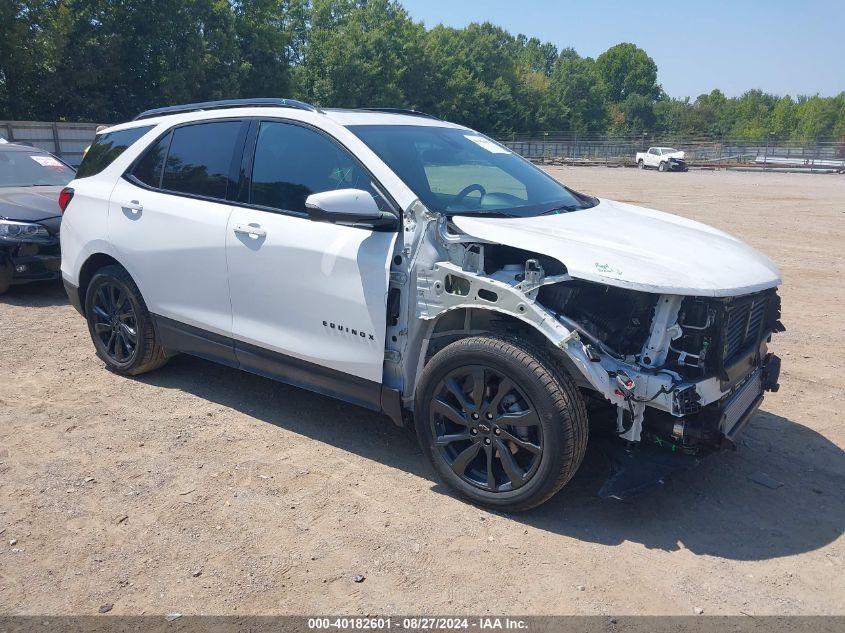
column 66, row 140
column 568, row 148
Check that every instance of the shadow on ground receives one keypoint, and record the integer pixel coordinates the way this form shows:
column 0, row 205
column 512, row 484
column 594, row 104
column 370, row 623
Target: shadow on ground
column 38, row 294
column 713, row 509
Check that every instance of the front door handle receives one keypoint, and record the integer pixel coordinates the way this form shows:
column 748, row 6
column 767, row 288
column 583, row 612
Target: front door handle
column 253, row 231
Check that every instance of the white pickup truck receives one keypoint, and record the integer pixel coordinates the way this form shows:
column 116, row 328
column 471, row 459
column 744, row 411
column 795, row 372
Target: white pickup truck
column 663, row 158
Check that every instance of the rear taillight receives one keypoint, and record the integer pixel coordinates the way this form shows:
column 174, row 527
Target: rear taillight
column 65, row 196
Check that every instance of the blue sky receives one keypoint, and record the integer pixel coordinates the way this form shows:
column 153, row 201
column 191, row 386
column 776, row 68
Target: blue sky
column 784, row 47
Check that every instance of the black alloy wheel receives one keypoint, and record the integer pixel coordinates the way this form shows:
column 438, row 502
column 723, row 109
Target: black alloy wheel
column 486, row 429
column 500, row 421
column 120, row 324
column 115, row 323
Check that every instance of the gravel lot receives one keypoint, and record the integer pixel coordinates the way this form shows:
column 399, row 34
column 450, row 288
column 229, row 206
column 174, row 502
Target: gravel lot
column 199, row 489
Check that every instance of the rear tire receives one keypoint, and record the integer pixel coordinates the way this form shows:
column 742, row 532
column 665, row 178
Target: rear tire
column 640, row 164
column 120, row 324
column 499, row 423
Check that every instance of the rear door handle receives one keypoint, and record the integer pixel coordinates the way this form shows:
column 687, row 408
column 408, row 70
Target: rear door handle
column 133, row 205
column 253, row 231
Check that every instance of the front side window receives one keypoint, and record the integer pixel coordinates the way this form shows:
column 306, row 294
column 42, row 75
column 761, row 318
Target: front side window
column 200, row 159
column 457, row 171
column 32, row 169
column 106, row 148
column 291, row 162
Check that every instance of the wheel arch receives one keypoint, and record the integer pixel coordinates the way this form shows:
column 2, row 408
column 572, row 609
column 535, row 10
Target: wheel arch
column 90, row 267
column 462, row 322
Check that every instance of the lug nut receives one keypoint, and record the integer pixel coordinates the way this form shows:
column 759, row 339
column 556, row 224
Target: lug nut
column 474, row 416
column 497, row 431
column 473, row 432
column 486, row 440
column 489, row 416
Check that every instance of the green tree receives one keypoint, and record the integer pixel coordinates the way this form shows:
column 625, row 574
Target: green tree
column 271, row 37
column 752, row 115
column 359, row 53
column 539, row 57
column 674, row 116
column 816, row 118
column 116, row 58
column 575, row 84
column 783, row 118
column 474, row 78
column 638, row 114
column 27, row 55
column 626, row 69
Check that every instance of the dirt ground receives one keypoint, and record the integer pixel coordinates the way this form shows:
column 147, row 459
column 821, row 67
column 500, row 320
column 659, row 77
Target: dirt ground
column 201, row 490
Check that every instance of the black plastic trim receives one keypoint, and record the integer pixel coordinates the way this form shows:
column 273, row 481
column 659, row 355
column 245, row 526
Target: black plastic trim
column 73, row 296
column 180, row 337
column 177, row 336
column 406, row 111
column 259, row 102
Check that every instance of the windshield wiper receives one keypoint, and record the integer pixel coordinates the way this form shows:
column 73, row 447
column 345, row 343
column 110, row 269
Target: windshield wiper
column 564, row 208
column 487, row 214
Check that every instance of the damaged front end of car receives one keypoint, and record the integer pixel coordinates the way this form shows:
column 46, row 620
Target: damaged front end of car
column 668, row 377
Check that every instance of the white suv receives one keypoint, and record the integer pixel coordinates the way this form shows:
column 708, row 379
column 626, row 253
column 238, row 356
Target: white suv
column 416, row 267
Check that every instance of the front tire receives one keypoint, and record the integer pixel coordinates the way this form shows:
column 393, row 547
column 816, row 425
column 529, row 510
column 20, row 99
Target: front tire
column 120, row 324
column 500, row 423
column 662, row 166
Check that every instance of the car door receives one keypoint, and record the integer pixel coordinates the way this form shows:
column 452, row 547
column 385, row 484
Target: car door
column 168, row 218
column 308, row 298
column 653, row 157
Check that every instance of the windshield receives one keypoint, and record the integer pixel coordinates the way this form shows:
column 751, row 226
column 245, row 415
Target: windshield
column 29, row 169
column 460, row 172
column 668, row 150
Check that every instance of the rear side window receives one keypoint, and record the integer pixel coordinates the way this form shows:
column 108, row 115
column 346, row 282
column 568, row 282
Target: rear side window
column 148, row 169
column 106, row 148
column 200, row 159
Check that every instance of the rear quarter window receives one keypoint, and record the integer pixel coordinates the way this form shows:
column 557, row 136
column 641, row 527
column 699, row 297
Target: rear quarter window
column 106, row 148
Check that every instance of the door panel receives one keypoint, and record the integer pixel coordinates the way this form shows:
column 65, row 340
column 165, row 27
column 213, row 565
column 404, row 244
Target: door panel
column 313, row 291
column 174, row 248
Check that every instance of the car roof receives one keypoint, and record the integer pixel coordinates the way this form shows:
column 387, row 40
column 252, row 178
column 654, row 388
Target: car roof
column 337, row 116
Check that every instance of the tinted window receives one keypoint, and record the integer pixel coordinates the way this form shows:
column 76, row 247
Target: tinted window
column 106, row 148
column 148, row 169
column 292, row 162
column 200, row 158
column 27, row 169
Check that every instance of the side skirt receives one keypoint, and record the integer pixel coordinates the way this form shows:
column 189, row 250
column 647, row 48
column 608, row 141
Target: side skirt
column 179, row 337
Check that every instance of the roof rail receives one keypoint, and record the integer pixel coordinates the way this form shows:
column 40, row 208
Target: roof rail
column 401, row 111
column 228, row 103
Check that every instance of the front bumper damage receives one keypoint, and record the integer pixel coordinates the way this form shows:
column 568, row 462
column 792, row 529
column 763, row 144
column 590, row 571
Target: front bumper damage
column 635, row 467
column 677, row 164
column 23, row 262
column 658, row 417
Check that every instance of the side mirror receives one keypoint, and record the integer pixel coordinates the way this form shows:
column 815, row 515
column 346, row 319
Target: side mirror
column 348, row 206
